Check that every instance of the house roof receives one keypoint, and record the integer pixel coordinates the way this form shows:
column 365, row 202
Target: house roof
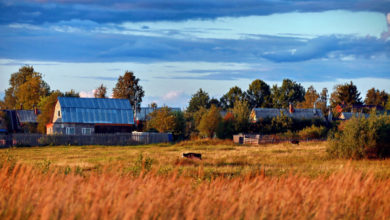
column 267, row 112
column 307, row 113
column 94, row 103
column 26, row 116
column 96, row 110
column 349, row 115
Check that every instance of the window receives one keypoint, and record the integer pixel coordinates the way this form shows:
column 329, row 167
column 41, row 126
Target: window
column 59, row 113
column 70, row 130
column 86, row 131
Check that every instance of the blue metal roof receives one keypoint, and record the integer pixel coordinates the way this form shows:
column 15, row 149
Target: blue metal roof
column 73, row 102
column 96, row 110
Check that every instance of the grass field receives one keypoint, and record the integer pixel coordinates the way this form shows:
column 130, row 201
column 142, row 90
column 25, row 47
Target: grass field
column 219, row 158
column 280, row 181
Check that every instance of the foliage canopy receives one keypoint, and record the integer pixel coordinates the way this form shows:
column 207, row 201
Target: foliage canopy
column 128, row 87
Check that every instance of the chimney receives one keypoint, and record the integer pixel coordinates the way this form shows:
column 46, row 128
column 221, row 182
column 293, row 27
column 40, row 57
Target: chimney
column 35, row 109
column 291, row 108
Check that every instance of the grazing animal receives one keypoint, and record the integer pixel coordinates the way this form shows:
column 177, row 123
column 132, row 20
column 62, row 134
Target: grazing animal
column 192, row 155
column 295, row 142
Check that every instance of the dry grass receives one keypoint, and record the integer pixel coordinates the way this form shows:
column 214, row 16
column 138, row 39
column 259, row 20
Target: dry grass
column 27, row 192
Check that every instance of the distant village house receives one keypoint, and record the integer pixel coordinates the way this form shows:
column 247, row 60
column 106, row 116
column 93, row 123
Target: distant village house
column 19, row 121
column 308, row 113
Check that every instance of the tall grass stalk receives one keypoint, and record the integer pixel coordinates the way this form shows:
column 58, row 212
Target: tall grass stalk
column 28, row 193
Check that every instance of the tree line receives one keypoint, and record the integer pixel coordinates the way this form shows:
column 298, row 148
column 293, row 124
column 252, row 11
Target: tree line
column 210, row 117
column 203, row 115
column 261, row 95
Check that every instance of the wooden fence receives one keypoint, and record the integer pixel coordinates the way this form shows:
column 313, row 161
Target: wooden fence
column 93, row 139
column 268, row 139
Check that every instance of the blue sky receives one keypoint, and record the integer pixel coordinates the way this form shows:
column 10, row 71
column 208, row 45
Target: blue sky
column 176, row 47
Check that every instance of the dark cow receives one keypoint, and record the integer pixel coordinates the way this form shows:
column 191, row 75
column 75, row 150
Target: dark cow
column 192, row 155
column 295, row 142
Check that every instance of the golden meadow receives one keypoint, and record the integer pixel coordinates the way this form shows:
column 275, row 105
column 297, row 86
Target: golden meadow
column 281, row 181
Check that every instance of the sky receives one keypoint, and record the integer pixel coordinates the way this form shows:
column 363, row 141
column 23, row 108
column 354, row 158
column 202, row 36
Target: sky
column 176, row 47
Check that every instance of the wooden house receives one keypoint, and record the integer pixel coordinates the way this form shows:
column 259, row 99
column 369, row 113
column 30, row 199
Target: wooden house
column 91, row 115
column 305, row 113
column 349, row 115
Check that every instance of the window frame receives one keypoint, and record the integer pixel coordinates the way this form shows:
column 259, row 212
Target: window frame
column 86, row 131
column 69, row 129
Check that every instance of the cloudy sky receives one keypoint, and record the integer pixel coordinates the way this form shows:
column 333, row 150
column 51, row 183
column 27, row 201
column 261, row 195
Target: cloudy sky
column 176, row 47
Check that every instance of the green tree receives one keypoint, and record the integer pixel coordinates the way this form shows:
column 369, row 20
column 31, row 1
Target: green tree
column 26, row 88
column 281, row 123
column 4, row 120
column 215, row 102
column 180, row 125
column 100, row 92
column 345, row 94
column 128, row 87
column 311, row 97
column 197, row 116
column 226, row 127
column 290, row 92
column 259, row 94
column 387, row 107
column 322, row 104
column 376, row 97
column 46, row 106
column 235, row 93
column 72, row 93
column 209, row 122
column 163, row 120
column 241, row 114
column 198, row 100
column 2, row 105
column 153, row 105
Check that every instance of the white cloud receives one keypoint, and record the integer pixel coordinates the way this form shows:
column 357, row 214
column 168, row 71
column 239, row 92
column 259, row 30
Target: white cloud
column 171, row 95
column 87, row 94
column 24, row 26
column 386, row 34
column 388, row 18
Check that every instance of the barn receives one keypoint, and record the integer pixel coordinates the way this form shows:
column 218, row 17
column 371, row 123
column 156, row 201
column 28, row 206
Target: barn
column 91, row 115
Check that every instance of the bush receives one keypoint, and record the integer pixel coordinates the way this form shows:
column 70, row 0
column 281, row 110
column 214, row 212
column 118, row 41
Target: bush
column 226, row 129
column 48, row 140
column 313, row 132
column 362, row 138
column 281, row 123
column 209, row 122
